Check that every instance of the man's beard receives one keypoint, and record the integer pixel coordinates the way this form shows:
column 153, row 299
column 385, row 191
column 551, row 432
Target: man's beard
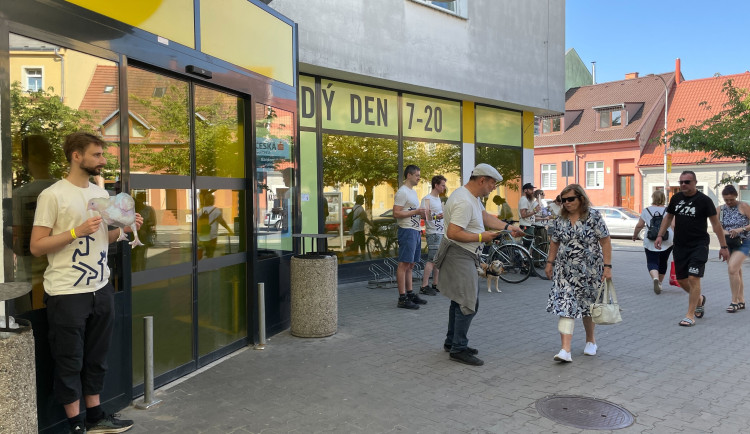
column 92, row 171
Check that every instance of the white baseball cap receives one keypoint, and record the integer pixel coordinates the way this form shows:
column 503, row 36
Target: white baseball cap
column 484, row 169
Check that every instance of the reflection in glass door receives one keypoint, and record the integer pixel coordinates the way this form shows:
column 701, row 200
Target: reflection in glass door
column 188, row 177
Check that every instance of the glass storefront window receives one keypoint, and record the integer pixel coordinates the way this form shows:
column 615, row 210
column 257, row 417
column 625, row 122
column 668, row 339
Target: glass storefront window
column 503, row 202
column 170, row 302
column 158, row 123
column 370, row 164
column 274, row 150
column 219, row 144
column 166, row 231
column 220, row 223
column 45, row 106
column 222, row 313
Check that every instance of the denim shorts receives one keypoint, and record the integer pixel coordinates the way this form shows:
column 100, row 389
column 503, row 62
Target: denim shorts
column 409, row 245
column 744, row 247
column 433, row 243
column 658, row 260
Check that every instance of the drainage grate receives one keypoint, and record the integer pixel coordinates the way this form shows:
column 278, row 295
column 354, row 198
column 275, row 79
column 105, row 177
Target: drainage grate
column 583, row 412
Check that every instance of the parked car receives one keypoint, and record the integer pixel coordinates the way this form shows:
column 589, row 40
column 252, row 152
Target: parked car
column 272, row 219
column 620, row 221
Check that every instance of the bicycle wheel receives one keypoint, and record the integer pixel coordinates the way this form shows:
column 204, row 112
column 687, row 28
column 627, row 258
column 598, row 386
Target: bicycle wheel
column 539, row 259
column 374, row 248
column 517, row 264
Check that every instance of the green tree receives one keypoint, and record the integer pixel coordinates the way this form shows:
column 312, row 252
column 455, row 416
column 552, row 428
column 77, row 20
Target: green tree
column 43, row 113
column 725, row 133
column 372, row 161
column 217, row 151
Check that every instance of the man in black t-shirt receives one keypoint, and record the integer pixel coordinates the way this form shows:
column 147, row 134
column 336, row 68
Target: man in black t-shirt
column 690, row 208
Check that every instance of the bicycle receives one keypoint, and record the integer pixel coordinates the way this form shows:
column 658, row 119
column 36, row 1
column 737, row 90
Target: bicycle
column 515, row 259
column 375, row 247
column 539, row 250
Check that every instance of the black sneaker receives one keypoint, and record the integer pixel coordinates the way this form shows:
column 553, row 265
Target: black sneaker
column 427, row 290
column 78, row 428
column 467, row 358
column 109, row 425
column 415, row 298
column 435, row 288
column 472, row 351
column 406, row 303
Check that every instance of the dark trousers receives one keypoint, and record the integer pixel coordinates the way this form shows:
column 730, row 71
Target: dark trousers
column 80, row 330
column 458, row 327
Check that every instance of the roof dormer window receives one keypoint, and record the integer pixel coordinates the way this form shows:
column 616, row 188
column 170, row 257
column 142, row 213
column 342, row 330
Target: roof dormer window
column 550, row 125
column 610, row 117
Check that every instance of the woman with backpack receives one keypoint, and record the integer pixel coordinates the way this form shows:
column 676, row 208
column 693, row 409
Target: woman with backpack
column 651, row 217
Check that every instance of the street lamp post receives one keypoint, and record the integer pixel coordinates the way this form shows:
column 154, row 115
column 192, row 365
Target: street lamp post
column 666, row 144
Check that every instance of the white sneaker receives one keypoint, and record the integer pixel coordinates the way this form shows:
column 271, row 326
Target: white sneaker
column 563, row 356
column 590, row 349
column 657, row 286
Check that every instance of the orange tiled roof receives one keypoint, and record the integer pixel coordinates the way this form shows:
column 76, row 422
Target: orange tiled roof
column 648, row 90
column 685, row 104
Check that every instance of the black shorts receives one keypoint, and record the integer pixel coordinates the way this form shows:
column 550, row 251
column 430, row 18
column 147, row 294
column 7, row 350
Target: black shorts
column 690, row 261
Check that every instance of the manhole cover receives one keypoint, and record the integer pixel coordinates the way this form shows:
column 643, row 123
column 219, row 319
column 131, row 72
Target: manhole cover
column 583, row 412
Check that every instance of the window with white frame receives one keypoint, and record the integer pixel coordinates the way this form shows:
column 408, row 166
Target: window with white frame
column 549, row 176
column 456, row 7
column 33, row 79
column 595, row 174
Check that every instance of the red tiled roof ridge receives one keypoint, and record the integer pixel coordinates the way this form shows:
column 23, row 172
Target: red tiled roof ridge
column 664, row 74
column 719, row 77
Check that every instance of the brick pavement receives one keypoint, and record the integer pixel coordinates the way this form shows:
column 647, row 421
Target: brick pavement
column 385, row 369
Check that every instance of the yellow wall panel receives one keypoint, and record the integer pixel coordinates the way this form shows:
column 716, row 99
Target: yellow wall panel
column 245, row 35
column 172, row 19
column 468, row 113
column 528, row 130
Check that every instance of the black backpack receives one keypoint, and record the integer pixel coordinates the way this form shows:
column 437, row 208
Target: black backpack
column 655, row 224
column 350, row 217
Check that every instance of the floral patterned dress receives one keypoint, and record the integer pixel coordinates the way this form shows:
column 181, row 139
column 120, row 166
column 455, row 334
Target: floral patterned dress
column 579, row 265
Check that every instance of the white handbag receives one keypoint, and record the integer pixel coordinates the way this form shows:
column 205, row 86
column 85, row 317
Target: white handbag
column 605, row 309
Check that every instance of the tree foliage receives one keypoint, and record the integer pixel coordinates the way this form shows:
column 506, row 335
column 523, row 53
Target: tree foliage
column 372, row 161
column 166, row 150
column 43, row 113
column 725, row 133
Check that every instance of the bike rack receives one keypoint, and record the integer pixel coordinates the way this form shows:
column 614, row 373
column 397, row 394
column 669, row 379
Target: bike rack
column 380, row 277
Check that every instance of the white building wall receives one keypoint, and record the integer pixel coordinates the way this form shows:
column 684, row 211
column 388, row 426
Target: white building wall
column 708, row 176
column 509, row 53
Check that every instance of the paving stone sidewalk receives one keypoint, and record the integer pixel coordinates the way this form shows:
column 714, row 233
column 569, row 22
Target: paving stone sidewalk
column 386, row 371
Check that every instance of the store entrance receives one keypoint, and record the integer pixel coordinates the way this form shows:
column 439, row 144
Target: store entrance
column 187, row 174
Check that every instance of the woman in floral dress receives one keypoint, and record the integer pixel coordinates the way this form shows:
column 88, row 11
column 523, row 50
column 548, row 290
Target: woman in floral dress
column 580, row 258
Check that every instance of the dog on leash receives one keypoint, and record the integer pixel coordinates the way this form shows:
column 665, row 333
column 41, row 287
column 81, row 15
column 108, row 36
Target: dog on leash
column 491, row 272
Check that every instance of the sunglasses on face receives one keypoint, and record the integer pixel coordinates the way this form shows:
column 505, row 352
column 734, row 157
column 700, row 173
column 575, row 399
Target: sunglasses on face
column 686, row 181
column 568, row 199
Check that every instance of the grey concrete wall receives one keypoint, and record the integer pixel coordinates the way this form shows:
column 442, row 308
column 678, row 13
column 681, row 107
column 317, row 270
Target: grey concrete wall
column 506, row 52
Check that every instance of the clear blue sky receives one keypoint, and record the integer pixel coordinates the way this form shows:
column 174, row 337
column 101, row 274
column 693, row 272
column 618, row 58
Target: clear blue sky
column 647, row 36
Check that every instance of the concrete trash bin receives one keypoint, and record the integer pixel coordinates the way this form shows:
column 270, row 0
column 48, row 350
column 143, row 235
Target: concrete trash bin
column 314, row 295
column 18, row 380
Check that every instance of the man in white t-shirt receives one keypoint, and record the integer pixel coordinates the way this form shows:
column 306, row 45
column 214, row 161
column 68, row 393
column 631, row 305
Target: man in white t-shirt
column 457, row 257
column 527, row 207
column 408, row 214
column 78, row 295
column 434, row 230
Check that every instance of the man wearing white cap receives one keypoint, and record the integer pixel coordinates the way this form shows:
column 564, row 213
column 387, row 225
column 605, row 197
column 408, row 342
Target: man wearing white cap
column 465, row 222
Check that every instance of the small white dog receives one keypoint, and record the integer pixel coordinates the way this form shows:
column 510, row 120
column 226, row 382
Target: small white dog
column 491, row 272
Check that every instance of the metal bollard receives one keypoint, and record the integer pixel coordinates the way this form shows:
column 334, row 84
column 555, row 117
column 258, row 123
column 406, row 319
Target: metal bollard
column 261, row 317
column 148, row 365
